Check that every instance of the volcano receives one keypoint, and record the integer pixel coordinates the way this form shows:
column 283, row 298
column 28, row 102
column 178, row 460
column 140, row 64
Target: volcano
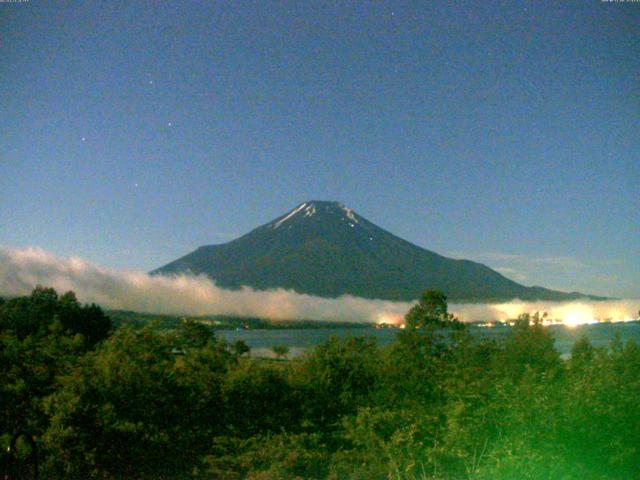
column 326, row 249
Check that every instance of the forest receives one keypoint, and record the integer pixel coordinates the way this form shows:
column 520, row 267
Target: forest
column 81, row 398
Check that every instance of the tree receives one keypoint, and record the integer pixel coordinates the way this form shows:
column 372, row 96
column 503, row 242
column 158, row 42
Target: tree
column 192, row 334
column 28, row 372
column 258, row 399
column 240, row 347
column 281, row 351
column 431, row 311
column 530, row 347
column 42, row 337
column 338, row 377
column 33, row 315
column 133, row 410
column 582, row 353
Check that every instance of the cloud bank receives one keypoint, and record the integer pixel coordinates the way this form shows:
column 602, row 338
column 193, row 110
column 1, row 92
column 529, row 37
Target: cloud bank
column 22, row 269
column 571, row 313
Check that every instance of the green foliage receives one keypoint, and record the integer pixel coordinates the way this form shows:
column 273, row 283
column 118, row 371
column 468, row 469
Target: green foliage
column 431, row 312
column 42, row 336
column 280, row 350
column 191, row 334
column 260, row 399
column 28, row 372
column 131, row 409
column 582, row 353
column 240, row 347
column 224, row 322
column 379, row 442
column 336, row 378
column 530, row 348
column 154, row 403
column 272, row 456
column 33, row 315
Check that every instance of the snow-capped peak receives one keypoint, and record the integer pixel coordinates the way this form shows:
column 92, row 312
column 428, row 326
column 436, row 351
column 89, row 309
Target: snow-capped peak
column 349, row 213
column 291, row 214
column 310, row 208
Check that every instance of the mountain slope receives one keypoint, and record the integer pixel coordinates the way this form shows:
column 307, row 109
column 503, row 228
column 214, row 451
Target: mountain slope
column 326, row 249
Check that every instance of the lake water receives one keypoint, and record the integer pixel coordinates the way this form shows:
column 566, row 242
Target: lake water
column 298, row 341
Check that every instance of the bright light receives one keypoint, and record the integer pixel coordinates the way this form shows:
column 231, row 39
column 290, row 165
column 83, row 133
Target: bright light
column 570, row 314
column 389, row 319
column 578, row 316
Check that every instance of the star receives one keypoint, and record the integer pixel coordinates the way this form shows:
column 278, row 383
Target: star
column 169, row 124
column 84, row 139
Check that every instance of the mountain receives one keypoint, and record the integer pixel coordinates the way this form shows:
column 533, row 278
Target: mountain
column 326, row 249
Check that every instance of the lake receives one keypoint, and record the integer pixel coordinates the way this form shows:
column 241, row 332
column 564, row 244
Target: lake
column 298, row 341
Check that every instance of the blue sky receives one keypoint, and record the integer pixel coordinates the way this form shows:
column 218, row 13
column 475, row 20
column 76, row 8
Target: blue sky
column 503, row 132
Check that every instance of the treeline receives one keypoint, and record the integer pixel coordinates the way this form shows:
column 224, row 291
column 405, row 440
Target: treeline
column 223, row 322
column 152, row 403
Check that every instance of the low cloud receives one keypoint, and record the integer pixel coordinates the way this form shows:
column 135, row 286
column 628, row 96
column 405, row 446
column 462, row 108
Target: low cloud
column 22, row 269
column 574, row 312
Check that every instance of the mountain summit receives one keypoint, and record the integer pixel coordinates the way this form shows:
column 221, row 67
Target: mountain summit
column 326, row 249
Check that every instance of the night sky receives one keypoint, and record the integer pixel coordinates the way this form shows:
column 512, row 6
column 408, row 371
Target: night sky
column 503, row 132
